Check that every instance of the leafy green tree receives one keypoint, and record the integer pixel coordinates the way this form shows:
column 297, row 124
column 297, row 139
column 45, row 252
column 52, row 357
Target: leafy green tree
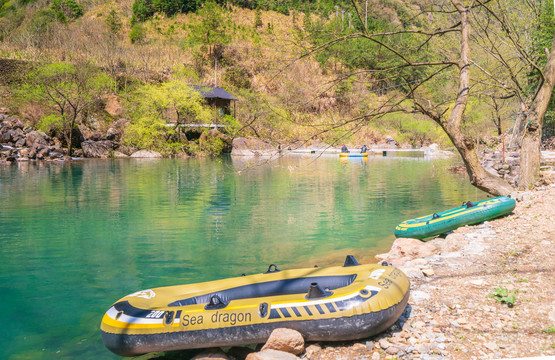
column 144, row 9
column 68, row 90
column 67, row 10
column 157, row 105
column 213, row 27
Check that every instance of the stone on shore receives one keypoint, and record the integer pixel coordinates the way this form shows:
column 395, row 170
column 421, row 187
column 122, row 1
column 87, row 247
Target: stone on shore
column 97, row 149
column 271, row 354
column 146, row 154
column 453, row 242
column 405, row 249
column 36, row 137
column 212, row 354
column 287, row 340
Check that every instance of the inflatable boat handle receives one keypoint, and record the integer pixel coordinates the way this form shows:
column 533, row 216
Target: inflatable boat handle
column 270, row 269
column 168, row 317
column 350, row 261
column 468, row 204
column 215, row 303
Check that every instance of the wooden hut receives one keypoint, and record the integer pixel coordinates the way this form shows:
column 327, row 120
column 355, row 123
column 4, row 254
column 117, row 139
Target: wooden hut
column 218, row 98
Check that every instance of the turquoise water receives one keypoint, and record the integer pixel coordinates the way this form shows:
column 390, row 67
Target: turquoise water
column 75, row 237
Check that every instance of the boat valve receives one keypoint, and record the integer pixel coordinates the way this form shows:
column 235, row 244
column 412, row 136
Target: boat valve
column 316, row 292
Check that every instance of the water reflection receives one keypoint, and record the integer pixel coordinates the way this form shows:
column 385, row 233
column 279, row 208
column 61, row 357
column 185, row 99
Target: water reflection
column 90, row 232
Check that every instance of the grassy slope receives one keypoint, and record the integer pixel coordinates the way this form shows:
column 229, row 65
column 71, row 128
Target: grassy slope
column 291, row 99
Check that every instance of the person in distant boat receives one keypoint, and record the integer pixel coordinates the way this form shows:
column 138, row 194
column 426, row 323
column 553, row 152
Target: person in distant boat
column 364, row 149
column 344, row 149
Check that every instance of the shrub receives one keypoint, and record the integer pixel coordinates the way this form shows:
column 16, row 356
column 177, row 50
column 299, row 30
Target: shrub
column 51, row 124
column 40, row 23
column 113, row 21
column 258, row 18
column 238, row 77
column 138, row 34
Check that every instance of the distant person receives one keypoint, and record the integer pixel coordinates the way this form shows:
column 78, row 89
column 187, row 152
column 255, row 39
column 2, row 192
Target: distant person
column 344, row 149
column 364, row 149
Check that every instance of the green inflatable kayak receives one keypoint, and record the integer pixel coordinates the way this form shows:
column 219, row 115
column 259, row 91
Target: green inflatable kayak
column 468, row 214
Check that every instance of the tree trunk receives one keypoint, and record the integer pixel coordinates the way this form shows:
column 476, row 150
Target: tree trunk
column 70, row 145
column 530, row 156
column 530, row 150
column 479, row 177
column 518, row 128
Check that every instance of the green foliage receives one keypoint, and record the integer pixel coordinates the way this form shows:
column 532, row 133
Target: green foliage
column 51, row 124
column 206, row 145
column 67, row 90
column 258, row 18
column 145, row 9
column 113, row 21
column 502, row 296
column 5, row 7
column 40, row 25
column 142, row 11
column 213, row 26
column 137, row 34
column 238, row 77
column 418, row 132
column 550, row 330
column 156, row 105
column 542, row 39
column 67, row 10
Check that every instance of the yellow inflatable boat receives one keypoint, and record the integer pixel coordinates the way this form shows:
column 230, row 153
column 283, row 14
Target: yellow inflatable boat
column 337, row 303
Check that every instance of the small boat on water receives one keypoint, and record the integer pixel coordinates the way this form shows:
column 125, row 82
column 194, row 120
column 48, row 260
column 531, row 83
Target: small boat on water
column 336, row 303
column 467, row 214
column 346, row 154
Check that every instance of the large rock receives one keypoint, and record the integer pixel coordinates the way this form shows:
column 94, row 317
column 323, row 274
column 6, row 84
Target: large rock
column 287, row 340
column 112, row 134
column 214, row 133
column 251, row 147
column 271, row 354
column 97, row 149
column 453, row 242
column 146, row 154
column 8, row 135
column 36, row 137
column 406, row 248
column 38, row 151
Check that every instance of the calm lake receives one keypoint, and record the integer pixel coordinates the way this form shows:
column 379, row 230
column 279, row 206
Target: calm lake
column 75, row 237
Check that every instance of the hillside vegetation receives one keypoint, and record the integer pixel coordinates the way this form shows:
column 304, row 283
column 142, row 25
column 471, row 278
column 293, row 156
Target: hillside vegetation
column 259, row 51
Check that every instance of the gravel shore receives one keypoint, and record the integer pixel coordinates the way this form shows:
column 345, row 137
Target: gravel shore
column 483, row 292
